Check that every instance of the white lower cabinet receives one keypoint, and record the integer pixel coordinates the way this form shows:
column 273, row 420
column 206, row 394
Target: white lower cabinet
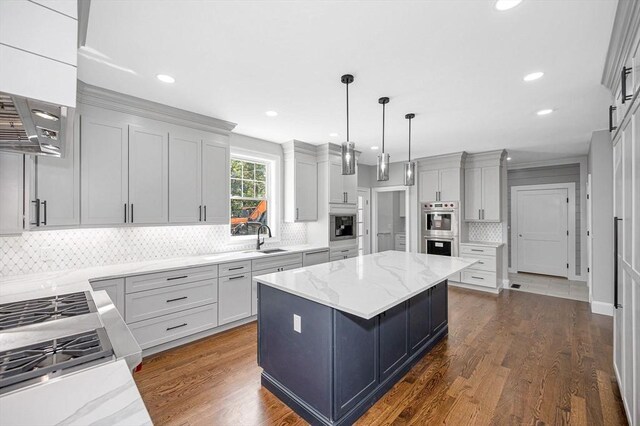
column 487, row 272
column 234, row 295
column 315, row 257
column 155, row 331
column 343, row 253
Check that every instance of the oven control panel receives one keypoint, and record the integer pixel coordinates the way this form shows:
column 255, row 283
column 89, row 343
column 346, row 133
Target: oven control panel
column 440, row 205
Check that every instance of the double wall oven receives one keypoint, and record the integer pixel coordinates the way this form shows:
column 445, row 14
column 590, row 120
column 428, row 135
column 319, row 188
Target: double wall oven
column 440, row 228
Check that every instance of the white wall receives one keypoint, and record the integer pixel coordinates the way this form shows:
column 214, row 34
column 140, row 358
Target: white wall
column 600, row 165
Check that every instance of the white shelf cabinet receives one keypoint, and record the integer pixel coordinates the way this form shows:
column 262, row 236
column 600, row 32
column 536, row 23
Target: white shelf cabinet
column 215, row 179
column 11, row 193
column 343, row 189
column 440, row 185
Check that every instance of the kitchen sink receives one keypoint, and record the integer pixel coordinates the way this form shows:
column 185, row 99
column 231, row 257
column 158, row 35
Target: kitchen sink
column 270, row 251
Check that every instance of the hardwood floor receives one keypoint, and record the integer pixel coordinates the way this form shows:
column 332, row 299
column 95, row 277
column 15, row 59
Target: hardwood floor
column 516, row 358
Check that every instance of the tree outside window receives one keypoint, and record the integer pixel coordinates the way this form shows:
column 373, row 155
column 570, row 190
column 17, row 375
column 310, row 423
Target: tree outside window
column 248, row 197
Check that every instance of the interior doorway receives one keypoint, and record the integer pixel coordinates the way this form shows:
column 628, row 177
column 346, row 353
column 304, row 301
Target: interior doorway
column 363, row 221
column 543, row 229
column 390, row 219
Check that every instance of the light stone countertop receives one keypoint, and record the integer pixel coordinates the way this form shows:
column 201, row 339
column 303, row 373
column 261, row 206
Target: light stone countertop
column 43, row 284
column 105, row 394
column 368, row 285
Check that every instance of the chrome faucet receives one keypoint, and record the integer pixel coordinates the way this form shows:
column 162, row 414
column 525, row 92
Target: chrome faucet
column 260, row 229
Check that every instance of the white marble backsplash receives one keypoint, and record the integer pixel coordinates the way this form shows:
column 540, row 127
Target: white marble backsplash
column 485, row 231
column 41, row 251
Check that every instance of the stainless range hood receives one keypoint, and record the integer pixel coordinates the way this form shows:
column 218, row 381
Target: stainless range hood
column 32, row 127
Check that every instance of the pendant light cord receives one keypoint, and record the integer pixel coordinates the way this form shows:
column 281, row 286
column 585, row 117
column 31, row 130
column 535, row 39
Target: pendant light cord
column 409, row 139
column 347, row 112
column 384, row 106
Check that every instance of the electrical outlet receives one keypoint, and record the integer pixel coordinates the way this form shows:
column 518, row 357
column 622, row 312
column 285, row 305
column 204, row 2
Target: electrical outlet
column 297, row 323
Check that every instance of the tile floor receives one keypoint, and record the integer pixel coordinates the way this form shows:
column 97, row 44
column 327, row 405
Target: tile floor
column 550, row 286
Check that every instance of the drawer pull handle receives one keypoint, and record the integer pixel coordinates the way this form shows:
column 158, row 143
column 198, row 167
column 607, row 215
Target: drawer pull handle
column 176, row 326
column 480, row 250
column 236, row 268
column 236, row 278
column 477, row 278
column 176, row 299
column 177, row 278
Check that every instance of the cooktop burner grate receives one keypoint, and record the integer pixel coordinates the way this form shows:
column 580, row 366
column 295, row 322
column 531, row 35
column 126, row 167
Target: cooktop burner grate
column 45, row 309
column 53, row 356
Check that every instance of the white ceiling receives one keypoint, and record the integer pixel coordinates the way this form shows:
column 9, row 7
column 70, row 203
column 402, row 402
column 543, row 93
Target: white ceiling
column 457, row 64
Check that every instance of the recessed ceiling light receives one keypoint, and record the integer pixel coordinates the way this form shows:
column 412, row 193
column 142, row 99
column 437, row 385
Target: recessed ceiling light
column 503, row 5
column 374, row 148
column 544, row 112
column 533, row 76
column 271, row 113
column 508, row 158
column 166, row 78
column 333, row 135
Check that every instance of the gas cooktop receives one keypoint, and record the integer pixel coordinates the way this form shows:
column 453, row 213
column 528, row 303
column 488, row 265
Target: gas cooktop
column 27, row 312
column 41, row 361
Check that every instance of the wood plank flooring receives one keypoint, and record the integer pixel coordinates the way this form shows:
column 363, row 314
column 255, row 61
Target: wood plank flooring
column 516, row 358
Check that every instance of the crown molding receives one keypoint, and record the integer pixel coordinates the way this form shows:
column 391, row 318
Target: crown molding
column 105, row 98
column 442, row 161
column 623, row 34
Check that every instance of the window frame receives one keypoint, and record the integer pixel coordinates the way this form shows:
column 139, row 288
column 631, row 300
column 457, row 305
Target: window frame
column 273, row 165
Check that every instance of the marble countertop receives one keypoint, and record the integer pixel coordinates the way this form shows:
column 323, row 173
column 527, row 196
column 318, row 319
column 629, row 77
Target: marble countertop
column 31, row 286
column 74, row 399
column 483, row 243
column 368, row 285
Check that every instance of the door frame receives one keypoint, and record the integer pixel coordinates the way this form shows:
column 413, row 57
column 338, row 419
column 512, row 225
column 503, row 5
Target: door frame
column 374, row 213
column 571, row 224
column 367, row 214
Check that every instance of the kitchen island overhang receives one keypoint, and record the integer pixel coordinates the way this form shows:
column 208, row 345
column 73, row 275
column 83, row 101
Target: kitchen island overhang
column 334, row 338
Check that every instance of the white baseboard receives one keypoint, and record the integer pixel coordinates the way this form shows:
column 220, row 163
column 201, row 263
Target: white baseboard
column 602, row 308
column 475, row 287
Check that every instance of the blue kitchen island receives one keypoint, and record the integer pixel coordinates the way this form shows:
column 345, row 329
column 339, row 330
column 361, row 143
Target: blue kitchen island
column 334, row 338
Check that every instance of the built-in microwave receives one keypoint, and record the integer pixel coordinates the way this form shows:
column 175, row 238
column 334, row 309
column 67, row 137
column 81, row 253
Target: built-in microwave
column 440, row 218
column 342, row 227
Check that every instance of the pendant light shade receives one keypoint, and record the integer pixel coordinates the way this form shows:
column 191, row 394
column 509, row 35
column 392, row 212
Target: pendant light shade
column 383, row 158
column 409, row 166
column 348, row 154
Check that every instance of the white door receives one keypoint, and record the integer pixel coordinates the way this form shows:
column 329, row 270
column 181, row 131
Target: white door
column 363, row 218
column 472, row 193
column 542, row 224
column 104, row 172
column 429, row 185
column 306, row 178
column 491, row 193
column 215, row 180
column 148, row 175
column 185, row 178
column 384, row 221
column 450, row 185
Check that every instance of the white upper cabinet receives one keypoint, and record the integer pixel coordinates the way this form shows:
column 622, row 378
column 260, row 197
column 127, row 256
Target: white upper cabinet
column 185, row 178
column 11, row 190
column 482, row 194
column 148, row 175
column 215, row 179
column 57, row 186
column 300, row 182
column 440, row 185
column 343, row 189
column 104, row 172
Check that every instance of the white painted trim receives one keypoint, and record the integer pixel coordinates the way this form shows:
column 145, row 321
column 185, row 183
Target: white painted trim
column 602, row 308
column 374, row 213
column 367, row 223
column 547, row 163
column 571, row 223
column 474, row 287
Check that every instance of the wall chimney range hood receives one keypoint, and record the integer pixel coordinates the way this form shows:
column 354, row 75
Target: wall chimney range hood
column 32, row 127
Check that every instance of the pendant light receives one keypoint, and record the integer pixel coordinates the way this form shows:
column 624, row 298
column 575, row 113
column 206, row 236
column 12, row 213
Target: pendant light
column 348, row 148
column 383, row 158
column 409, row 166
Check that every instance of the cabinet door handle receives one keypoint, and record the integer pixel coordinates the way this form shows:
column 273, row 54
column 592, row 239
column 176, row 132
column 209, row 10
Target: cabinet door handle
column 477, row 278
column 176, row 299
column 297, row 213
column 236, row 278
column 125, row 212
column 236, row 268
column 477, row 250
column 176, row 326
column 44, row 221
column 205, row 212
column 131, row 212
column 611, row 126
column 200, row 214
column 177, row 278
column 482, row 214
column 37, row 203
column 623, row 79
column 479, row 216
